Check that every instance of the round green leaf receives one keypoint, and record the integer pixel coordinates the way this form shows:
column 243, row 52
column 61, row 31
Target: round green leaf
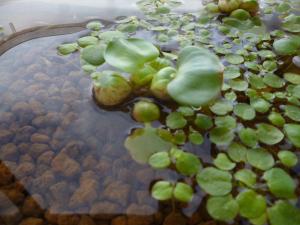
column 232, row 72
column 214, row 181
column 293, row 133
column 252, row 205
column 291, row 23
column 225, row 121
column 223, row 208
column 145, row 111
column 248, row 136
column 223, row 162
column 183, row 192
column 187, row 163
column 221, row 107
column 260, row 104
column 131, row 54
column 280, row 183
column 237, row 152
column 160, row 160
column 221, row 135
column 66, row 49
column 245, row 111
column 260, row 158
column 292, row 112
column 288, row 158
column 234, row 59
column 283, row 213
column 276, row 119
column 269, row 134
column 196, row 138
column 175, row 120
column 143, row 143
column 85, row 41
column 286, row 46
column 273, row 80
column 203, row 121
column 199, row 77
column 162, row 190
column 246, row 177
column 293, row 78
column 93, row 54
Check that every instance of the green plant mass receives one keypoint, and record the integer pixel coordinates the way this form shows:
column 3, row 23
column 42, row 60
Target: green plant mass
column 217, row 97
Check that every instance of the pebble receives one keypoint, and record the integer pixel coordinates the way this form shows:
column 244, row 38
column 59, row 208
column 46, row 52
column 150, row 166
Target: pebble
column 39, row 138
column 32, row 221
column 65, row 165
column 9, row 152
column 5, row 136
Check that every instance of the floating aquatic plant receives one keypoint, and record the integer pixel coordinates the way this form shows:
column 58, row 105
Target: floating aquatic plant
column 238, row 92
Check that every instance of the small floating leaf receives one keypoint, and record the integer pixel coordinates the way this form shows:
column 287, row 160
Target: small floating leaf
column 187, row 163
column 293, row 133
column 221, row 107
column 175, row 120
column 94, row 25
column 248, row 136
column 245, row 111
column 260, row 158
column 160, row 160
column 93, row 54
column 66, row 49
column 237, row 152
column 284, row 213
column 196, row 138
column 251, row 204
column 89, row 40
column 199, row 77
column 131, row 54
column 246, row 176
column 203, row 122
column 287, row 46
column 221, row 135
column 145, row 111
column 269, row 134
column 276, row 119
column 288, row 158
column 223, row 162
column 293, row 78
column 291, row 23
column 183, row 192
column 214, row 181
column 162, row 190
column 280, row 183
column 293, row 112
column 234, row 59
column 143, row 143
column 223, row 208
column 273, row 81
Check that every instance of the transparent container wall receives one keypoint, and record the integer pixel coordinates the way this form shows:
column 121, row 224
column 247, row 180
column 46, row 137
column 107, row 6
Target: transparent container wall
column 16, row 15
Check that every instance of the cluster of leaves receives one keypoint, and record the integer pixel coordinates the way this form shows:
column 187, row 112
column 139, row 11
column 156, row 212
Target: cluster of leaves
column 251, row 113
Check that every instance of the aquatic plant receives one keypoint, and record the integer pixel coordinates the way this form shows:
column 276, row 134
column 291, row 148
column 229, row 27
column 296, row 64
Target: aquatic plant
column 239, row 93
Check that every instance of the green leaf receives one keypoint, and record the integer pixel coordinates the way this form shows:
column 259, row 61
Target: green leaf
column 183, row 192
column 248, row 137
column 160, row 160
column 94, row 25
column 145, row 111
column 214, row 181
column 292, row 112
column 187, row 163
column 196, row 138
column 237, row 152
column 260, row 158
column 162, row 190
column 223, row 162
column 238, row 85
column 175, row 120
column 203, row 121
column 280, row 183
column 223, row 208
column 252, row 205
column 283, row 213
column 66, row 49
column 288, row 158
column 199, row 77
column 234, row 59
column 291, row 23
column 293, row 133
column 260, row 104
column 273, row 81
column 287, row 46
column 221, row 107
column 244, row 111
column 268, row 134
column 93, row 54
column 276, row 119
column 85, row 41
column 293, row 78
column 225, row 121
column 246, row 176
column 131, row 54
column 160, row 82
column 221, row 135
column 143, row 143
column 232, row 72
column 110, row 88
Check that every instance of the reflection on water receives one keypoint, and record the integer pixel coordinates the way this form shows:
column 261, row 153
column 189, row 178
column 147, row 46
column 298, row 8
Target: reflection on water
column 62, row 158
